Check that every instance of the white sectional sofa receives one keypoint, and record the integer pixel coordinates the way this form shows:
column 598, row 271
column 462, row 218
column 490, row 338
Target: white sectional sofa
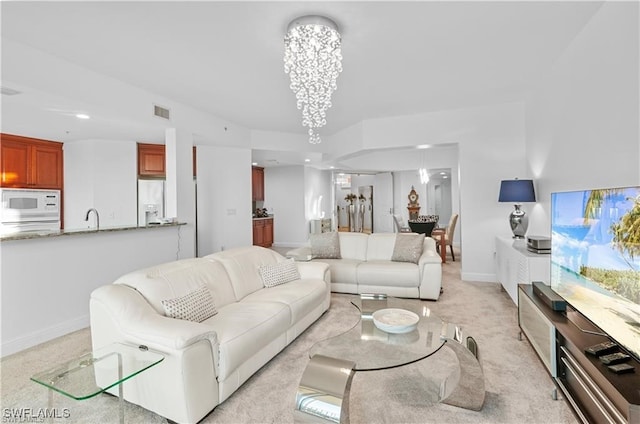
column 366, row 266
column 205, row 362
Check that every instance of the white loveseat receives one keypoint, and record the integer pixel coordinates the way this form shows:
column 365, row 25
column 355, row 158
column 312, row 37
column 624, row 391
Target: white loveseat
column 205, row 362
column 366, row 266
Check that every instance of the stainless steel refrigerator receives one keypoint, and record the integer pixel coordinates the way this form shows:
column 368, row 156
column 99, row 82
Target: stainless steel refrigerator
column 151, row 201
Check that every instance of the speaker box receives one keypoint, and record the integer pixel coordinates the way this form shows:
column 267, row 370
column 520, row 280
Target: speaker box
column 548, row 296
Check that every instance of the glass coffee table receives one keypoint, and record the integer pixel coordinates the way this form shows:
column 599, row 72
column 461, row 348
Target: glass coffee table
column 96, row 372
column 323, row 392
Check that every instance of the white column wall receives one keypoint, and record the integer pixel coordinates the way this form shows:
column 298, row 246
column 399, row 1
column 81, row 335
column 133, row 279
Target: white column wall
column 180, row 189
column 318, row 200
column 285, row 194
column 224, row 198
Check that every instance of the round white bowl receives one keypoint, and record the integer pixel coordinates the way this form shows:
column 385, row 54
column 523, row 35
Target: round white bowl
column 394, row 320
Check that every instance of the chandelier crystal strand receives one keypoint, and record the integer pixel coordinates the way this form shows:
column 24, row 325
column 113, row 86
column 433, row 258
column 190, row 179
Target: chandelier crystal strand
column 313, row 60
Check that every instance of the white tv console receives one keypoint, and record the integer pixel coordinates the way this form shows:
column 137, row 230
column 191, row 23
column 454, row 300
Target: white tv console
column 516, row 265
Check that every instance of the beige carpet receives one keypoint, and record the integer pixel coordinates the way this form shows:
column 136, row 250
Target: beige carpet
column 518, row 387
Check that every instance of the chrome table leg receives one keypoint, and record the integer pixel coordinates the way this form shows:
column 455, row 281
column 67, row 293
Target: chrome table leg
column 465, row 386
column 323, row 393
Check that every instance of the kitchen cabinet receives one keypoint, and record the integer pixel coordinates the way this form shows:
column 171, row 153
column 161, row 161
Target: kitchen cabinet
column 257, row 183
column 263, row 232
column 30, row 163
column 152, row 160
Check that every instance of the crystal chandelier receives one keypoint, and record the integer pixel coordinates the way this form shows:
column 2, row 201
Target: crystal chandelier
column 313, row 60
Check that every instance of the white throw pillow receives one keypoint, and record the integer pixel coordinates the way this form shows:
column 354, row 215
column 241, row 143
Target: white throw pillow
column 196, row 306
column 280, row 273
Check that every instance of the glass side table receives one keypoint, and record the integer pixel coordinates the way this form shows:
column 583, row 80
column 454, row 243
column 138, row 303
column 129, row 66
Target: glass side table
column 96, row 372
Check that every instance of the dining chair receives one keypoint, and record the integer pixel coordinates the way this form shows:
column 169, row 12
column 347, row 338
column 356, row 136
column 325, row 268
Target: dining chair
column 448, row 234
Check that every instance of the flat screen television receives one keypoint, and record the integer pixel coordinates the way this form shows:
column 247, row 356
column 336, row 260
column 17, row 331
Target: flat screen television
column 595, row 258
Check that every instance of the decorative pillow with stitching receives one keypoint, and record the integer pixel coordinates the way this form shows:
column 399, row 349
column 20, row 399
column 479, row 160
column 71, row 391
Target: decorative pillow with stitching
column 408, row 248
column 196, row 306
column 275, row 274
column 325, row 245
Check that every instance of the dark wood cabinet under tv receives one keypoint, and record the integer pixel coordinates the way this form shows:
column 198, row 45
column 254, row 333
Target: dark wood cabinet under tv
column 596, row 394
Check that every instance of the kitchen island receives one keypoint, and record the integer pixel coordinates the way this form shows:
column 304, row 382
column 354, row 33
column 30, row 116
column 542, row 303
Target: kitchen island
column 47, row 278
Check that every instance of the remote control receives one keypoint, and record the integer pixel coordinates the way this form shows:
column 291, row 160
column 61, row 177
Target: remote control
column 601, row 348
column 614, row 358
column 621, row 368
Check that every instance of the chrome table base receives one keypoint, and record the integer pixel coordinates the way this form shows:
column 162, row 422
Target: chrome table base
column 465, row 386
column 323, row 393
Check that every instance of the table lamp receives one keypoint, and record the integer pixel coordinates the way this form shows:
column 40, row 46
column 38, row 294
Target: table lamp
column 517, row 192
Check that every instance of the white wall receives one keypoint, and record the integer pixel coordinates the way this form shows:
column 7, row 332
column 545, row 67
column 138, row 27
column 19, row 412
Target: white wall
column 582, row 122
column 100, row 174
column 284, row 188
column 46, row 282
column 224, row 198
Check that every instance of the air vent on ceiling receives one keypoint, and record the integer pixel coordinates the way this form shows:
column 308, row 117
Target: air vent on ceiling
column 8, row 91
column 161, row 112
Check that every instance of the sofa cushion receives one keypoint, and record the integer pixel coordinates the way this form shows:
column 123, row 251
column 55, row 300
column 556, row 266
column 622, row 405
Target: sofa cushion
column 243, row 264
column 244, row 328
column 343, row 270
column 195, row 306
column 408, row 248
column 380, row 246
column 353, row 245
column 301, row 296
column 275, row 274
column 325, row 245
column 389, row 273
column 178, row 278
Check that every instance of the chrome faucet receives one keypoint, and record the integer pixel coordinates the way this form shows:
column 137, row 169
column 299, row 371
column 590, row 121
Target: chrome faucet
column 86, row 218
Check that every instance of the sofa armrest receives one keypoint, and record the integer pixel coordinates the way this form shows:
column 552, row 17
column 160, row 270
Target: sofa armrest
column 138, row 322
column 300, row 253
column 315, row 270
column 429, row 253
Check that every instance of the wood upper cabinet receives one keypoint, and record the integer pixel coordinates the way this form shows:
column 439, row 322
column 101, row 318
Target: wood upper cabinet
column 257, row 183
column 30, row 163
column 151, row 160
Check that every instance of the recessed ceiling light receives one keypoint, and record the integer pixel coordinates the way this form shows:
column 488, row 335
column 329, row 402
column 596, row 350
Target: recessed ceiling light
column 445, row 177
column 332, row 167
column 423, row 146
column 82, row 116
column 443, row 173
column 307, row 160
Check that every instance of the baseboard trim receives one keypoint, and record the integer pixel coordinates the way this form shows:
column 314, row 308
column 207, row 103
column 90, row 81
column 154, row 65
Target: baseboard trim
column 473, row 276
column 35, row 338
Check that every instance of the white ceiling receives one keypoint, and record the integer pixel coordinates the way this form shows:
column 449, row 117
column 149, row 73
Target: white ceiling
column 225, row 58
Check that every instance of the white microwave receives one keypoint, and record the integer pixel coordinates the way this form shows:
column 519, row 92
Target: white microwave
column 29, row 205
